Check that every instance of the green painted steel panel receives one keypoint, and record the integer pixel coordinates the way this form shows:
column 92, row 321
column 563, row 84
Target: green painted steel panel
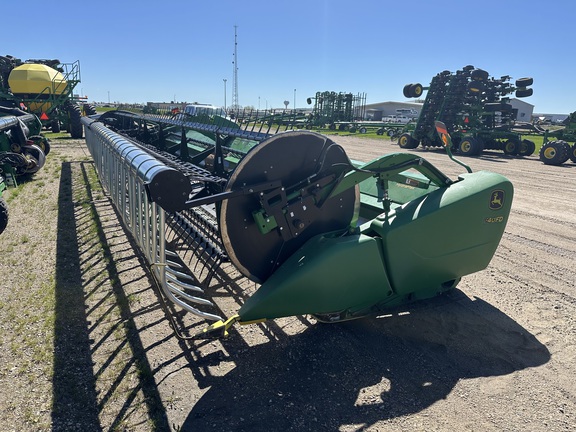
column 327, row 274
column 447, row 234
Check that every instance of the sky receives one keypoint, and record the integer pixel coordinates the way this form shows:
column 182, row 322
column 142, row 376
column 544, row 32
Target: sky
column 136, row 51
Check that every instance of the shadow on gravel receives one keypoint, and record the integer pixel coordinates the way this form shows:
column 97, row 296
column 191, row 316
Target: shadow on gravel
column 361, row 372
column 74, row 404
column 77, row 406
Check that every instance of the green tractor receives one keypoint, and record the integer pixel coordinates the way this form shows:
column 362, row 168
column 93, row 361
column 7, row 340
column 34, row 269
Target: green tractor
column 558, row 151
column 44, row 88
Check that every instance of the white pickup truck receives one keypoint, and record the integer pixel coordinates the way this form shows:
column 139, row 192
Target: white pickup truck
column 396, row 119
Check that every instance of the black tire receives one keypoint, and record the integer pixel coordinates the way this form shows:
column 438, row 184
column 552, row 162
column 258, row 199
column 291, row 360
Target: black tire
column 475, row 87
column 524, row 92
column 55, row 126
column 362, row 130
column 416, row 90
column 524, row 82
column 406, row 141
column 41, row 142
column 479, row 75
column 89, row 109
column 36, row 160
column 527, row 148
column 572, row 154
column 470, row 146
column 3, row 215
column 554, row 153
column 75, row 126
column 406, row 91
column 380, row 131
column 511, row 147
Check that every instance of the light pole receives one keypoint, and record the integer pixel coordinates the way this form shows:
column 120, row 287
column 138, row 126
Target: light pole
column 225, row 94
column 294, row 100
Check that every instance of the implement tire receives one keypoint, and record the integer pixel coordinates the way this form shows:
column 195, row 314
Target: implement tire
column 406, row 141
column 470, row 146
column 524, row 82
column 76, row 129
column 554, row 153
column 416, row 90
column 524, row 92
column 573, row 153
column 512, row 147
column 527, row 148
column 3, row 215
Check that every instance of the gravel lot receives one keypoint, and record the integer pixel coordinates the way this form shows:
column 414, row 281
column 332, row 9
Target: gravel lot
column 86, row 346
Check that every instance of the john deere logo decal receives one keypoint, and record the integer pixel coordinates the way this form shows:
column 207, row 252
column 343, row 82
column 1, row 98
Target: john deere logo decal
column 497, row 200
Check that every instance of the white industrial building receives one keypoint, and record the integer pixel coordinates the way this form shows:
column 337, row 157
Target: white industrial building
column 377, row 111
column 525, row 110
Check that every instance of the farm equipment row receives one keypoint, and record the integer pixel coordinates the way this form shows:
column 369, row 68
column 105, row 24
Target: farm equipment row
column 317, row 233
column 476, row 110
column 22, row 151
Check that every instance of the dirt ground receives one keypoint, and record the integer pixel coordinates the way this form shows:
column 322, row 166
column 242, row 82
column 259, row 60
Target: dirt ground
column 86, row 345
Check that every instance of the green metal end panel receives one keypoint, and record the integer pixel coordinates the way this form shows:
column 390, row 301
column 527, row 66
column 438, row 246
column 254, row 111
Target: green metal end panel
column 447, row 234
column 328, row 274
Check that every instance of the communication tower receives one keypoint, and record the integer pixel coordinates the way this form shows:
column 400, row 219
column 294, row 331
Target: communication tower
column 235, row 104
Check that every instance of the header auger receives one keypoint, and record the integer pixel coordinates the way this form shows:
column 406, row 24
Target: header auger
column 317, row 233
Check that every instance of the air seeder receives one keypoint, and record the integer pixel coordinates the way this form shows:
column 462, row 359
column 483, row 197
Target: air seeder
column 476, row 109
column 317, row 233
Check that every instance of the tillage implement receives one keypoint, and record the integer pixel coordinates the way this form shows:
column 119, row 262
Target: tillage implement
column 315, row 232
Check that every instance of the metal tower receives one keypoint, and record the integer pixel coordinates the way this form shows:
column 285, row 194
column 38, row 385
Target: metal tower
column 235, row 104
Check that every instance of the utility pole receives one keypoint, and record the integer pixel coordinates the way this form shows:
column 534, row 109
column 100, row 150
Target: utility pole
column 235, row 103
column 225, row 109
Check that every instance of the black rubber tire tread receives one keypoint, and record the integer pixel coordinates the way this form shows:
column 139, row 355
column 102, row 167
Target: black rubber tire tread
column 475, row 87
column 554, row 153
column 416, row 90
column 41, row 142
column 573, row 153
column 524, row 82
column 76, row 129
column 406, row 91
column 524, row 92
column 406, row 141
column 527, row 148
column 55, row 126
column 89, row 109
column 479, row 75
column 3, row 215
column 511, row 147
column 470, row 146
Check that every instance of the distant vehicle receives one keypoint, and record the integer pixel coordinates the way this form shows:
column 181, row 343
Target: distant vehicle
column 409, row 112
column 204, row 109
column 397, row 119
